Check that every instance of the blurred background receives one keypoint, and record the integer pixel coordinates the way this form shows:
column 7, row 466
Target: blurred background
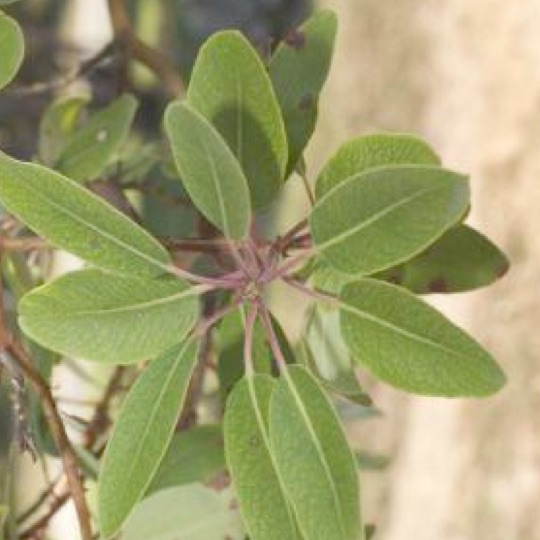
column 464, row 75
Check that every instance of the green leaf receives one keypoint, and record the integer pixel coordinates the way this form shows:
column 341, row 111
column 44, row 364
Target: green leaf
column 11, row 49
column 141, row 435
column 92, row 147
column 109, row 318
column 196, row 455
column 410, row 345
column 191, row 512
column 373, row 151
column 57, row 125
column 461, row 260
column 385, row 216
column 263, row 504
column 230, row 87
column 329, row 357
column 298, row 70
column 313, row 459
column 209, row 170
column 72, row 218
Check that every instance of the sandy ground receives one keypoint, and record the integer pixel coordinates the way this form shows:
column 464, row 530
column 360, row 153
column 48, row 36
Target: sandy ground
column 466, row 76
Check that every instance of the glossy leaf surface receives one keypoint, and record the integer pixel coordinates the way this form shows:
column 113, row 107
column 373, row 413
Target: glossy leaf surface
column 231, row 88
column 263, row 505
column 11, row 49
column 386, row 216
column 72, row 218
column 141, row 435
column 209, row 170
column 191, row 512
column 461, row 260
column 370, row 152
column 314, row 459
column 109, row 318
column 92, row 147
column 407, row 343
column 298, row 70
column 196, row 455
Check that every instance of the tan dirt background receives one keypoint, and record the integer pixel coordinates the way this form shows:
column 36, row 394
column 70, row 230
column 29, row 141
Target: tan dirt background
column 464, row 74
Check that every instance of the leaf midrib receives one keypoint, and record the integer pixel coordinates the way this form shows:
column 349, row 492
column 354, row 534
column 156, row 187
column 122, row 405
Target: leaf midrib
column 318, row 447
column 142, row 440
column 135, row 307
column 100, row 232
column 406, row 333
column 375, row 217
column 263, row 430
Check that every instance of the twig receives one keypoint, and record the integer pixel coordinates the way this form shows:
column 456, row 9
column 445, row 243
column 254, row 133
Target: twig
column 22, row 244
column 271, row 336
column 317, row 295
column 248, row 338
column 65, row 80
column 58, row 433
column 140, row 51
column 100, row 420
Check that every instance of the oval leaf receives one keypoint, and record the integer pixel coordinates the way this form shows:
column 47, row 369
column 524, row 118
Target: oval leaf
column 298, row 70
column 385, row 216
column 109, row 318
column 410, row 345
column 92, row 147
column 372, row 151
column 460, row 260
column 72, row 218
column 209, row 170
column 11, row 49
column 263, row 505
column 313, row 459
column 196, row 455
column 191, row 512
column 230, row 87
column 141, row 435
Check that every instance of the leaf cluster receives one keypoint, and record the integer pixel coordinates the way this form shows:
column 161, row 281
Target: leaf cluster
column 386, row 225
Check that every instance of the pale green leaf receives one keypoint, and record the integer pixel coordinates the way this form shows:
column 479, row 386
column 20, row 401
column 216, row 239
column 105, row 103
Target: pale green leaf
column 370, row 152
column 93, row 146
column 57, row 125
column 141, row 435
column 263, row 504
column 410, row 345
column 190, row 512
column 196, row 455
column 329, row 357
column 298, row 70
column 460, row 260
column 385, row 216
column 313, row 459
column 11, row 49
column 109, row 318
column 231, row 88
column 72, row 218
column 209, row 170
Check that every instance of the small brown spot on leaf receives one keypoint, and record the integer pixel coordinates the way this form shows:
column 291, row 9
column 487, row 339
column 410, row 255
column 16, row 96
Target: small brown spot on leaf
column 501, row 271
column 438, row 285
column 306, row 103
column 295, row 39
